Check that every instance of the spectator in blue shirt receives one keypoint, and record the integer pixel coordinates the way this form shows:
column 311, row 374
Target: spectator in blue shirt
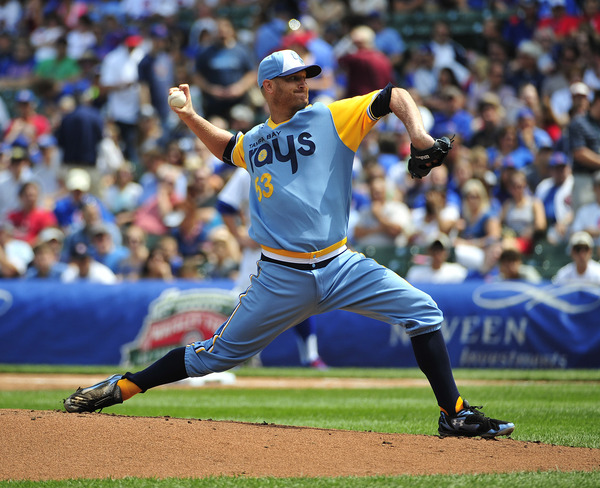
column 156, row 75
column 68, row 210
column 17, row 71
column 224, row 72
column 45, row 264
column 80, row 132
column 271, row 29
column 452, row 118
column 104, row 249
column 522, row 24
column 82, row 232
column 524, row 69
column 530, row 135
column 387, row 39
column 508, row 152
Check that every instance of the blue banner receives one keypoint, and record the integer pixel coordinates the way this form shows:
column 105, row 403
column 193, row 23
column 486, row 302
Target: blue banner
column 495, row 325
column 487, row 325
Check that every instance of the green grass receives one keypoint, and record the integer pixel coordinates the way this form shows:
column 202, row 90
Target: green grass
column 556, row 407
column 486, row 374
column 512, row 480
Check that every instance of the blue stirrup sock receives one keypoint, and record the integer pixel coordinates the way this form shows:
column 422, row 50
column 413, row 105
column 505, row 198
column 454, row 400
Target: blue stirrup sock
column 169, row 368
column 432, row 357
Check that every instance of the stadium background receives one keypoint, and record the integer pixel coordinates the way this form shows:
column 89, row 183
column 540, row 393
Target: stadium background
column 61, row 314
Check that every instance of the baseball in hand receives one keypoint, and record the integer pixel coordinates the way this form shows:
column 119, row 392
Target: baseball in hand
column 177, row 99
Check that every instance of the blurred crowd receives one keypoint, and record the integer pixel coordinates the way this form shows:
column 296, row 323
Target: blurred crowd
column 100, row 181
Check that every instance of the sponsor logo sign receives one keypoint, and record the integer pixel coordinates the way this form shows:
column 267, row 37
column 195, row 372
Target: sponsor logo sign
column 177, row 318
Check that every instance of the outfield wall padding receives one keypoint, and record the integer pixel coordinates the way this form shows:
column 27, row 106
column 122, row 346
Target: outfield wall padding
column 487, row 325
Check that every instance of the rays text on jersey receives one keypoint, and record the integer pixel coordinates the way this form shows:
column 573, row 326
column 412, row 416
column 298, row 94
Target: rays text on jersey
column 268, row 152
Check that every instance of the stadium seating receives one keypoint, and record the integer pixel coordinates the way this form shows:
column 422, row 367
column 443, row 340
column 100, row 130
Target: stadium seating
column 548, row 258
column 466, row 27
column 398, row 259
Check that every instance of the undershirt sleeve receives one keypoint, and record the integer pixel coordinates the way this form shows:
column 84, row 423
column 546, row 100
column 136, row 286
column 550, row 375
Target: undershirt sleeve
column 381, row 105
column 234, row 152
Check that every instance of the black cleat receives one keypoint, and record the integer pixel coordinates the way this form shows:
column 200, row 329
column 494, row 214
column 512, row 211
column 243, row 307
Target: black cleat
column 95, row 397
column 470, row 422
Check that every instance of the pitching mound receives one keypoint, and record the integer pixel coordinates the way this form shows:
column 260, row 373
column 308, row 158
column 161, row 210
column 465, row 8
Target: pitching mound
column 43, row 445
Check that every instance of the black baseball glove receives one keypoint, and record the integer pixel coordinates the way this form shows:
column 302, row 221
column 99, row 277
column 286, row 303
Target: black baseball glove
column 421, row 162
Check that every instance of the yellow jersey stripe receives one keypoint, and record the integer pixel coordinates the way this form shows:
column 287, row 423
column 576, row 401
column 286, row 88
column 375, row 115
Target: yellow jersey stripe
column 306, row 255
column 237, row 155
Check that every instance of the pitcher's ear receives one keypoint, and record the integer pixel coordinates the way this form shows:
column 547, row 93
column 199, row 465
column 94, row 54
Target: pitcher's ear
column 268, row 86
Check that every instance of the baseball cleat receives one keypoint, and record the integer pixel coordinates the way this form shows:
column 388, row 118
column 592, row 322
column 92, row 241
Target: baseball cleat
column 95, row 397
column 318, row 364
column 470, row 422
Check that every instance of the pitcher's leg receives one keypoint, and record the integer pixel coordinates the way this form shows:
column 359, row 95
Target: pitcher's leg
column 278, row 298
column 168, row 369
column 363, row 286
column 432, row 357
column 380, row 293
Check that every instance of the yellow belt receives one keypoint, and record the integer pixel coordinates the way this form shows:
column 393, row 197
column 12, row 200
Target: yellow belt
column 306, row 255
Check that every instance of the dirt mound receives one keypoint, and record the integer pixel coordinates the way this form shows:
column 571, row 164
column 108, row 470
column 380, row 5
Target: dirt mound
column 42, row 445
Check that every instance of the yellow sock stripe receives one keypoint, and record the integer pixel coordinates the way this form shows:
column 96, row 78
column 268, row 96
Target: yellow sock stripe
column 457, row 408
column 459, row 405
column 128, row 388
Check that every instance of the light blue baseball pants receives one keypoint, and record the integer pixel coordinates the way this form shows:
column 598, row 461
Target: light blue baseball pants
column 279, row 297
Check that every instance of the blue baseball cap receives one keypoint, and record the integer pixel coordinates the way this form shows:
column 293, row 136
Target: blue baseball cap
column 525, row 113
column 284, row 63
column 559, row 159
column 25, row 96
column 160, row 31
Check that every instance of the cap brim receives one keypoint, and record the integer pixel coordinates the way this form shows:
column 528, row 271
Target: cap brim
column 312, row 70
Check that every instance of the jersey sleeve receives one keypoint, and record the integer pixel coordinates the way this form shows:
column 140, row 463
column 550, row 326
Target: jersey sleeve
column 353, row 118
column 234, row 152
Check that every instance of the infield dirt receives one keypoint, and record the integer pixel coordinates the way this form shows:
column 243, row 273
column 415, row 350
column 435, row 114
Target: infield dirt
column 44, row 445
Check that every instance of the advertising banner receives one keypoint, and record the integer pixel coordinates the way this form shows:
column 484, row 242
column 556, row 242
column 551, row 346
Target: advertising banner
column 487, row 325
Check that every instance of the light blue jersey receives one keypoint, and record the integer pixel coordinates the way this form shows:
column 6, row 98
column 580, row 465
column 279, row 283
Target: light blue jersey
column 301, row 173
